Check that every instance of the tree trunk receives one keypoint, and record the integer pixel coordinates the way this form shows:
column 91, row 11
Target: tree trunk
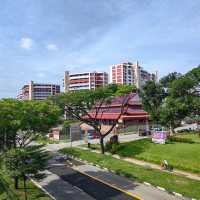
column 171, row 129
column 25, row 191
column 102, row 145
column 16, row 180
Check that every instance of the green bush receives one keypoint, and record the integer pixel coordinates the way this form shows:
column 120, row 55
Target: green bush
column 184, row 130
column 112, row 144
column 115, row 148
column 179, row 139
column 108, row 146
column 112, row 147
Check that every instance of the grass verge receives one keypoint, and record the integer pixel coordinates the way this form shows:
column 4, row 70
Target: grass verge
column 171, row 182
column 8, row 192
column 180, row 155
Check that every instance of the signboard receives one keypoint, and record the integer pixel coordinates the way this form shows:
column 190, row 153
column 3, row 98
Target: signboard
column 159, row 137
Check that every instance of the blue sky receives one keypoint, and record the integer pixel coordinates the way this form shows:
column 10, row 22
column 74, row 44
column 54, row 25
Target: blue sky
column 40, row 39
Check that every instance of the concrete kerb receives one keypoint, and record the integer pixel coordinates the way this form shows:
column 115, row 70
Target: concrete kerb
column 161, row 188
column 177, row 194
column 44, row 190
column 146, row 183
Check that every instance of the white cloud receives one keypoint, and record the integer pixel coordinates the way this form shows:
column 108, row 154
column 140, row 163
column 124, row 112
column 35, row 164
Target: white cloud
column 41, row 75
column 52, row 47
column 26, row 43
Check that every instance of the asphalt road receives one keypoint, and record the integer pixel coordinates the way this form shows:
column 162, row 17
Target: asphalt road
column 95, row 189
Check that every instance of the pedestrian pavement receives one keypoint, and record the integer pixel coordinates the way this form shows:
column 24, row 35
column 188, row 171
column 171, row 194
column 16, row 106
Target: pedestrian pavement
column 122, row 138
column 133, row 187
column 155, row 166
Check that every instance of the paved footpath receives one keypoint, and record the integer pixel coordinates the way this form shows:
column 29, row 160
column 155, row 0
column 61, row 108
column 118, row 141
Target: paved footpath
column 154, row 166
column 122, row 138
column 143, row 191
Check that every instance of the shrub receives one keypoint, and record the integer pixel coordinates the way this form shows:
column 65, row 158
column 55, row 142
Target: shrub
column 112, row 144
column 112, row 147
column 115, row 148
column 184, row 130
column 108, row 146
column 180, row 139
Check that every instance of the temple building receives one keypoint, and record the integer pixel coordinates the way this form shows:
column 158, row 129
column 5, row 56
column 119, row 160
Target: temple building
column 127, row 112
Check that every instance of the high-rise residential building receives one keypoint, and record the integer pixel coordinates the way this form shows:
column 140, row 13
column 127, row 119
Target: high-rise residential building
column 130, row 74
column 38, row 91
column 84, row 81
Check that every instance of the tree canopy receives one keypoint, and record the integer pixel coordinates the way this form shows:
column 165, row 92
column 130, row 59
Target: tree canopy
column 152, row 97
column 175, row 97
column 25, row 119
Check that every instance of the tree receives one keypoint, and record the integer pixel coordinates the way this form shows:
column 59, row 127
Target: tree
column 26, row 162
column 9, row 123
column 79, row 104
column 153, row 95
column 36, row 118
column 21, row 122
column 25, row 120
column 168, row 79
column 183, row 99
column 172, row 111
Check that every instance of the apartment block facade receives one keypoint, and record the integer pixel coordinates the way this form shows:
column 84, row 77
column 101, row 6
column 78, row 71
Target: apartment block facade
column 38, row 91
column 130, row 74
column 84, row 81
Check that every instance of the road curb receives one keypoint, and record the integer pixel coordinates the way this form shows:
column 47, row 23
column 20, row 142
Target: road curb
column 161, row 188
column 177, row 194
column 146, row 183
column 44, row 190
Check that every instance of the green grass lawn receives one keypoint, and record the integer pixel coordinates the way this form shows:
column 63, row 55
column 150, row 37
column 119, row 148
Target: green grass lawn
column 171, row 182
column 7, row 191
column 181, row 155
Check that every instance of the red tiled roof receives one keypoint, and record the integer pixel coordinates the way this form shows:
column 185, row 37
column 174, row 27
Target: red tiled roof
column 114, row 116
column 112, row 110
